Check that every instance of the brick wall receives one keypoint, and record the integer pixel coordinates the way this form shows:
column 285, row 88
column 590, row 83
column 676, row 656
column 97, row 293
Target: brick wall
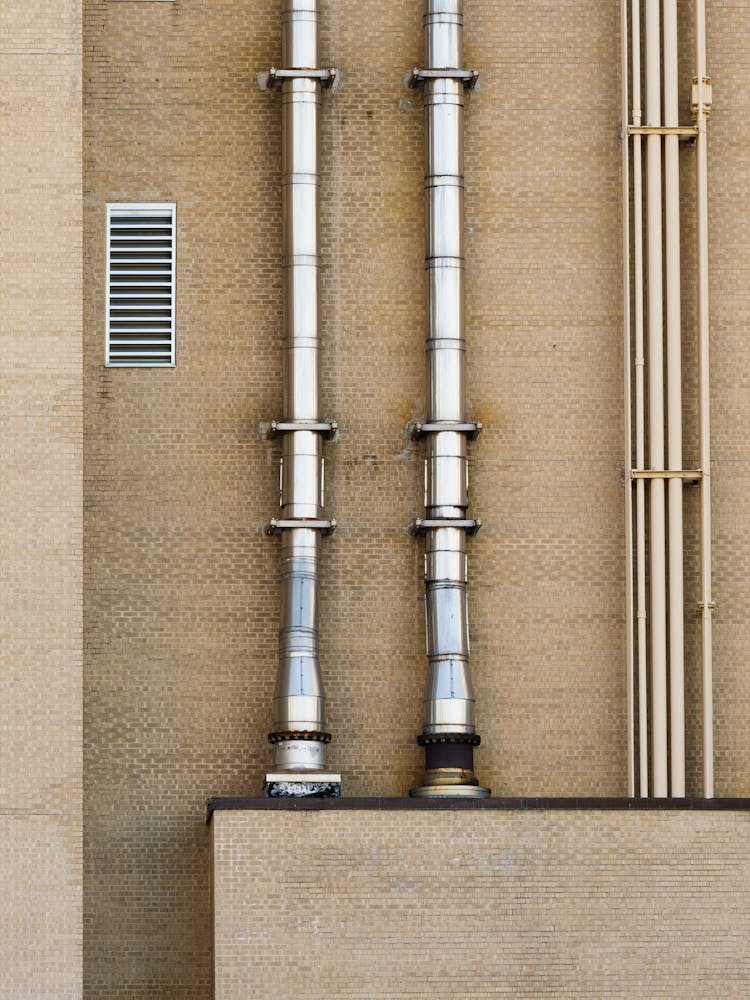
column 453, row 905
column 181, row 603
column 41, row 446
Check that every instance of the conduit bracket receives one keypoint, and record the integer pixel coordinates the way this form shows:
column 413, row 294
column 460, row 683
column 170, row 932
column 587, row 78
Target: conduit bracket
column 276, row 77
column 422, row 524
column 700, row 606
column 418, row 77
column 701, row 86
column 684, row 132
column 275, row 526
column 690, row 475
column 327, row 427
column 415, row 429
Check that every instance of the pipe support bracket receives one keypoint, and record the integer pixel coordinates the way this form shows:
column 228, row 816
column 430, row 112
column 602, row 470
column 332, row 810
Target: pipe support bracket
column 701, row 97
column 415, row 429
column 421, row 525
column 681, row 131
column 276, row 77
column 418, row 77
column 691, row 475
column 275, row 526
column 327, row 427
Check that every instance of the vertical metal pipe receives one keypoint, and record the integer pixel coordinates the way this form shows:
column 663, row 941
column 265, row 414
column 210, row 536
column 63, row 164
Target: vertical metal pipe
column 299, row 727
column 674, row 406
column 668, row 736
column 701, row 108
column 640, row 410
column 449, row 733
column 629, row 653
column 656, row 402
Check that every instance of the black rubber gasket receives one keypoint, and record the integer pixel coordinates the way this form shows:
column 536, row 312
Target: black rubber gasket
column 311, row 736
column 473, row 739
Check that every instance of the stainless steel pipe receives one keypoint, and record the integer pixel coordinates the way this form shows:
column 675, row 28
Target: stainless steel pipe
column 299, row 727
column 449, row 698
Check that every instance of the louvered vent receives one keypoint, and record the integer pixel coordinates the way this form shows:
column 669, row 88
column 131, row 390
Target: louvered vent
column 140, row 285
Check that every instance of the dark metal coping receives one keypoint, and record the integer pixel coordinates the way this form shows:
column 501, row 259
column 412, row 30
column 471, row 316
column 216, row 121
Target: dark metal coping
column 502, row 804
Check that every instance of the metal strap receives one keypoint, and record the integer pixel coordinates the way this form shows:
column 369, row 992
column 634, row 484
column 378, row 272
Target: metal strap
column 276, row 526
column 416, row 429
column 276, row 77
column 469, row 77
column 327, row 427
column 692, row 474
column 683, row 131
column 422, row 524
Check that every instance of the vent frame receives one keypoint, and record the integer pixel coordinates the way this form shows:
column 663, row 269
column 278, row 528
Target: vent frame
column 163, row 324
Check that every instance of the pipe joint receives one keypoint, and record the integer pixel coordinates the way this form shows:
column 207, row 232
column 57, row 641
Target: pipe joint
column 701, row 97
column 315, row 737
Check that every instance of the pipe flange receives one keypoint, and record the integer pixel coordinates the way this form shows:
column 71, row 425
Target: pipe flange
column 306, row 734
column 473, row 739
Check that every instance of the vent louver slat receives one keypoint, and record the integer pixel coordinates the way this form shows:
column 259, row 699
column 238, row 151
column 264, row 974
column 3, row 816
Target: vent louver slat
column 140, row 285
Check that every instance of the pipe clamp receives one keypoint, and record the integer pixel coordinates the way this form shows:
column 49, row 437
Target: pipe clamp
column 418, row 77
column 276, row 77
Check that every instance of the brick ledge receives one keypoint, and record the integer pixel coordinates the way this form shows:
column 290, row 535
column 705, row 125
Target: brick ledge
column 507, row 804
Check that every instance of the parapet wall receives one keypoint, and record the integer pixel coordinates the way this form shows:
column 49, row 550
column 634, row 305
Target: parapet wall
column 41, row 500
column 448, row 903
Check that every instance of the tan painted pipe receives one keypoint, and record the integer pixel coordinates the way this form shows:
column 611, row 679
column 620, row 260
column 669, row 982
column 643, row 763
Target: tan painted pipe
column 674, row 406
column 629, row 658
column 702, row 106
column 640, row 418
column 656, row 403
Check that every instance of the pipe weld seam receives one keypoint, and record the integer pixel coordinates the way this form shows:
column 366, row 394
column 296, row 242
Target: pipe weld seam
column 453, row 262
column 443, row 180
column 448, row 13
column 293, row 177
column 302, row 342
column 293, row 10
column 432, row 99
column 293, row 97
column 301, row 260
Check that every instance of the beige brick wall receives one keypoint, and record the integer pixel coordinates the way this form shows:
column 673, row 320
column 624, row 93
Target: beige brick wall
column 459, row 905
column 181, row 603
column 41, row 446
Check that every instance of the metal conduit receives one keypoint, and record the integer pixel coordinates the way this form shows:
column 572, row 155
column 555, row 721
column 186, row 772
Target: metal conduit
column 657, row 519
column 666, row 602
column 640, row 427
column 701, row 108
column 674, row 406
column 299, row 728
column 628, row 387
column 449, row 735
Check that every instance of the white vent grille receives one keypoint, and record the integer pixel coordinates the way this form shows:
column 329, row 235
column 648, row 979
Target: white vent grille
column 140, row 285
